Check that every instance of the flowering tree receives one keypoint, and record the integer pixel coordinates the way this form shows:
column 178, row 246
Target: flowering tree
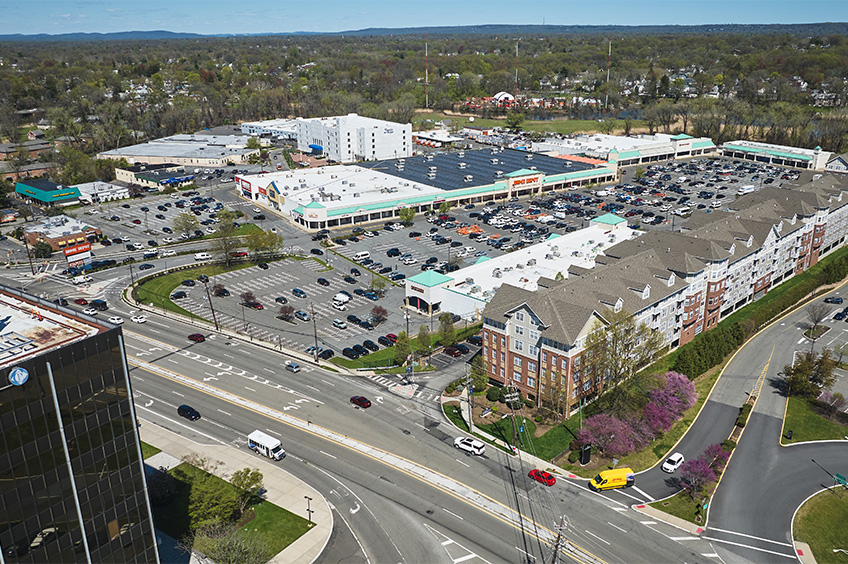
column 716, row 457
column 677, row 394
column 606, row 433
column 695, row 475
column 658, row 417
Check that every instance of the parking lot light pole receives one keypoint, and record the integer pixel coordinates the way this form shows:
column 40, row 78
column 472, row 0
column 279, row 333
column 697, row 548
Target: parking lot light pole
column 314, row 331
column 209, row 297
column 308, row 508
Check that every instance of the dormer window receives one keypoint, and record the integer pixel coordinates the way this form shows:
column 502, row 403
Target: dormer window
column 646, row 293
column 618, row 305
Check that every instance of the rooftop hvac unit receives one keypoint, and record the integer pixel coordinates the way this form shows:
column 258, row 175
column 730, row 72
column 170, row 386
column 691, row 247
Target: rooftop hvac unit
column 468, row 178
column 475, row 289
column 432, row 169
column 461, row 154
column 429, row 157
column 344, row 182
column 356, row 194
column 529, row 157
column 469, row 280
column 531, row 262
column 520, row 266
column 532, row 168
column 498, row 173
column 496, row 273
column 332, row 176
column 462, row 165
column 352, row 184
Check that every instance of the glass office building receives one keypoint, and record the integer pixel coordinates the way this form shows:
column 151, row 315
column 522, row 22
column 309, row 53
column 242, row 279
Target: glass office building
column 72, row 486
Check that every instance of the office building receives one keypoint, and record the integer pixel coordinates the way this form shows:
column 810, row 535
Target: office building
column 72, row 485
column 351, row 138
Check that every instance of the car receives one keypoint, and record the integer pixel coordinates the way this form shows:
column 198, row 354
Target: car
column 409, row 260
column 385, row 270
column 316, row 252
column 350, row 279
column 365, row 324
column 188, row 282
column 137, row 221
column 360, row 350
column 90, row 311
column 384, row 341
column 196, row 337
column 144, row 209
column 203, row 278
column 393, row 252
column 188, row 412
column 840, row 315
column 292, row 366
column 263, row 265
column 542, row 477
column 323, row 282
column 302, row 315
column 350, row 353
column 254, row 305
column 169, row 252
column 259, row 217
column 115, row 218
column 298, row 293
column 370, row 345
column 257, row 210
column 339, row 306
column 353, row 319
column 672, row 463
column 392, row 337
column 339, row 324
column 452, row 351
column 81, row 301
column 125, row 206
column 117, row 320
column 326, row 354
column 359, row 292
column 145, row 266
column 159, row 216
column 355, row 271
column 414, row 234
column 475, row 340
column 373, row 296
column 361, row 401
column 468, row 444
column 178, row 295
column 138, row 319
column 60, row 301
column 397, row 276
column 238, row 254
column 281, row 300
column 461, row 348
column 833, row 300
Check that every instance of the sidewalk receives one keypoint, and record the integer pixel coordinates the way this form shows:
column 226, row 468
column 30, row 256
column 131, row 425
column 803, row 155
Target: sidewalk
column 282, row 488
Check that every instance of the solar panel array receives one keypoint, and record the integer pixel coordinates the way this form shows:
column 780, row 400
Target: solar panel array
column 464, row 169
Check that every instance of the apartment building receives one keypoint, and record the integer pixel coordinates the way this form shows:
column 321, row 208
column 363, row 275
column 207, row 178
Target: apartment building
column 351, row 138
column 678, row 283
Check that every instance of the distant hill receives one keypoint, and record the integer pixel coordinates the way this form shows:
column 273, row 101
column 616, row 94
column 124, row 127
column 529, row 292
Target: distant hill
column 118, row 36
column 802, row 30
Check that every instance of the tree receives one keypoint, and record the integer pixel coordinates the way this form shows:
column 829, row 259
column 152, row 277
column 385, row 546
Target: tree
column 262, row 241
column 816, row 313
column 185, row 223
column 617, row 347
column 447, row 332
column 810, row 374
column 606, row 433
column 514, row 119
column 221, row 544
column 841, row 349
column 248, row 484
column 477, row 374
column 225, row 241
column 423, row 340
column 253, row 143
column 42, row 250
column 834, row 402
column 286, row 312
column 695, row 475
column 406, row 215
column 218, row 290
column 378, row 285
column 162, row 487
column 247, row 297
column 210, row 500
column 638, row 173
column 716, row 456
column 444, row 207
column 402, row 348
column 379, row 314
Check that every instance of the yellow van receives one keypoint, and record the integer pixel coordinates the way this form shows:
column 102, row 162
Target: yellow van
column 610, row 479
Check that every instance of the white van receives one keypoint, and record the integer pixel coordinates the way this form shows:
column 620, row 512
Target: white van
column 341, row 298
column 84, row 279
column 266, row 445
column 715, row 204
column 202, row 256
column 361, row 256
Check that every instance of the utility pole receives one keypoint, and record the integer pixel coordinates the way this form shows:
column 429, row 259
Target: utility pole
column 29, row 256
column 314, row 331
column 132, row 280
column 209, row 297
column 560, row 540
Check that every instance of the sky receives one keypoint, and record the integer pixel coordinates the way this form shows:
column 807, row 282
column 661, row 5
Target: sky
column 282, row 16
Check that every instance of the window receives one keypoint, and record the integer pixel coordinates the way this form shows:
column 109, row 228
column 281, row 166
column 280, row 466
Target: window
column 533, row 350
column 531, row 366
column 531, row 382
column 485, row 335
column 516, row 375
column 520, row 316
column 485, row 351
column 519, row 345
column 516, row 360
column 565, row 363
column 553, row 360
column 519, row 330
column 575, row 377
column 503, row 357
column 503, row 341
column 494, row 368
column 503, row 374
column 534, row 335
column 545, row 357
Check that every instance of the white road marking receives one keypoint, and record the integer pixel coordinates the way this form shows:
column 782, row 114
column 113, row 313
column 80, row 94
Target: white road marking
column 596, row 536
column 251, row 389
column 643, row 493
column 225, row 413
column 461, row 462
column 616, row 527
column 455, row 515
column 750, row 536
column 648, row 522
column 177, row 394
column 792, row 556
column 684, row 538
column 327, row 453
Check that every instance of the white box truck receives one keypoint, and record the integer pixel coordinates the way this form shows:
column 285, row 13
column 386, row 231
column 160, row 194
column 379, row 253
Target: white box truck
column 341, row 298
column 83, row 279
column 266, row 445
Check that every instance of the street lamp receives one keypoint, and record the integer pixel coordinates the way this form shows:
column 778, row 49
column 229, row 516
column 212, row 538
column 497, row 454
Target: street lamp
column 308, row 508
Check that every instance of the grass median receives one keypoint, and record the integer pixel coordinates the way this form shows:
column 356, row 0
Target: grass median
column 805, row 419
column 820, row 522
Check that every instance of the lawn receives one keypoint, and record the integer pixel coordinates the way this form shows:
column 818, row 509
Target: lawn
column 807, row 424
column 820, row 522
column 158, row 289
column 683, row 506
column 559, row 125
column 276, row 526
column 148, row 450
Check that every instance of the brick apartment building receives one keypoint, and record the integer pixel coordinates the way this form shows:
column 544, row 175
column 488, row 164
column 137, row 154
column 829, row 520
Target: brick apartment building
column 678, row 283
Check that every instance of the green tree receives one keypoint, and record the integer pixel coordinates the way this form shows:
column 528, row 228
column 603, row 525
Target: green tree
column 406, row 215
column 638, row 173
column 445, row 207
column 248, row 482
column 253, row 143
column 423, row 340
column 211, row 500
column 477, row 375
column 225, row 240
column 447, row 332
column 378, row 285
column 810, row 374
column 185, row 223
column 262, row 241
column 402, row 348
column 221, row 544
column 42, row 250
column 514, row 119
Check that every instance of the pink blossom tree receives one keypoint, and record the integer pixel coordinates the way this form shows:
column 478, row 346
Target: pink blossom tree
column 607, row 434
column 677, row 394
column 658, row 417
column 716, row 457
column 695, row 475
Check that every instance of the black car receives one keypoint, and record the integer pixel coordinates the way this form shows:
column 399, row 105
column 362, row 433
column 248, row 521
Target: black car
column 323, row 282
column 317, row 252
column 61, row 302
column 359, row 292
column 385, row 342
column 188, row 412
column 326, row 354
column 178, row 295
column 353, row 319
column 167, row 230
column 152, row 243
column 393, row 252
column 145, row 266
column 203, row 278
column 281, row 300
column 414, row 234
column 370, row 345
column 461, row 348
column 350, row 353
column 366, row 325
column 188, row 282
column 355, row 271
column 385, row 269
column 360, row 350
column 366, row 262
column 833, row 300
column 263, row 265
column 397, row 276
column 259, row 217
column 350, row 279
column 431, row 260
column 476, row 340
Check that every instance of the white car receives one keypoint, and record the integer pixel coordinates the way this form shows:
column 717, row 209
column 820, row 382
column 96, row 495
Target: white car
column 672, row 463
column 138, row 319
column 257, row 210
column 168, row 240
column 116, row 320
column 168, row 253
column 90, row 311
column 339, row 306
column 409, row 260
column 210, row 230
column 470, row 445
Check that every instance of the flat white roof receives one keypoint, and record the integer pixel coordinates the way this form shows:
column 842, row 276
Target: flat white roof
column 524, row 267
column 600, row 142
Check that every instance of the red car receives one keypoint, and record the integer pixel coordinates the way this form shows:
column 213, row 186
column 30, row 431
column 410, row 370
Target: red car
column 392, row 337
column 542, row 477
column 196, row 337
column 81, row 301
column 137, row 221
column 237, row 254
column 361, row 401
column 452, row 351
column 254, row 305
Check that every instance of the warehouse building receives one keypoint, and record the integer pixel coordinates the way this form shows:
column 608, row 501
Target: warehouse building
column 189, row 150
column 352, row 138
column 61, row 232
column 628, row 151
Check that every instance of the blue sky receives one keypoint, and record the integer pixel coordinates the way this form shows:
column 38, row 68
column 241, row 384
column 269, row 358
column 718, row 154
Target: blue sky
column 278, row 16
